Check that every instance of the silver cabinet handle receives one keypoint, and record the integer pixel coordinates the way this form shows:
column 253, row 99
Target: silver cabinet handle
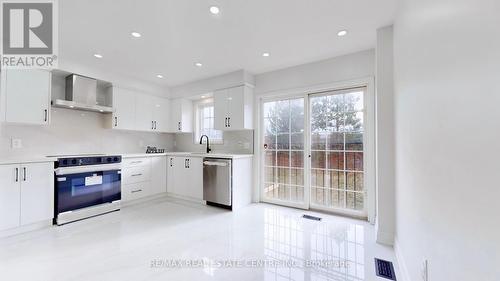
column 17, row 174
column 229, row 122
column 152, row 125
column 116, row 121
column 179, row 126
column 171, row 162
column 135, row 162
column 136, row 175
column 45, row 115
column 24, row 173
column 225, row 122
column 137, row 190
column 155, row 124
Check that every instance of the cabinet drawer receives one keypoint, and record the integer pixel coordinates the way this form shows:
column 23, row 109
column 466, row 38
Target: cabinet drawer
column 134, row 162
column 136, row 174
column 135, row 190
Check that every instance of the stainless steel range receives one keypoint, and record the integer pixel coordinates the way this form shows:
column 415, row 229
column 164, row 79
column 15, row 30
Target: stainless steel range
column 86, row 186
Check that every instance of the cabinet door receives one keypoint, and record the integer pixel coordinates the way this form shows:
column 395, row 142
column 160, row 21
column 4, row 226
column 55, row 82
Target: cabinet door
column 144, row 113
column 220, row 109
column 161, row 114
column 171, row 176
column 27, row 96
column 175, row 115
column 180, row 176
column 195, row 177
column 9, row 196
column 37, row 192
column 235, row 108
column 181, row 116
column 158, row 175
column 124, row 105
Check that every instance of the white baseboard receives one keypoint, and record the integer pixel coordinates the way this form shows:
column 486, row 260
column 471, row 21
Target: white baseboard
column 26, row 228
column 401, row 261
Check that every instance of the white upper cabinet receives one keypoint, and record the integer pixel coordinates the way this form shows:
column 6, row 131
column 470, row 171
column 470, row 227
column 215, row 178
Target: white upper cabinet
column 26, row 96
column 233, row 108
column 124, row 105
column 161, row 114
column 181, row 116
column 139, row 112
column 144, row 113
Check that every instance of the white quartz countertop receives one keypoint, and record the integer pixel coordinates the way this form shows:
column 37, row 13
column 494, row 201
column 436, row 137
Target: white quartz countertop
column 25, row 160
column 188, row 154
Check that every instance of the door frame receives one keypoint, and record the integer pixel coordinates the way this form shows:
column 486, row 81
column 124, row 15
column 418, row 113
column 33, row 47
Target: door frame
column 369, row 138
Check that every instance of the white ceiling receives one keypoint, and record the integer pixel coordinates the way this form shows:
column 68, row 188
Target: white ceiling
column 178, row 33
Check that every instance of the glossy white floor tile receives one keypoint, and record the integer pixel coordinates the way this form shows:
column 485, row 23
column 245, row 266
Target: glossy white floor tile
column 144, row 242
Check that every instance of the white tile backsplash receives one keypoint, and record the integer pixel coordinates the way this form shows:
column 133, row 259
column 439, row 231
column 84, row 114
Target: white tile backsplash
column 74, row 132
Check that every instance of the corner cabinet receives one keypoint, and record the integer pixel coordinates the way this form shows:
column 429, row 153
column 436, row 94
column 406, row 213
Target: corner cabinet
column 26, row 194
column 233, row 108
column 181, row 116
column 25, row 97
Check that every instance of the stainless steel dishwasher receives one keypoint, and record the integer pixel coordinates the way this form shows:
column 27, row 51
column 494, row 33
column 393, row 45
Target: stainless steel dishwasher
column 217, row 182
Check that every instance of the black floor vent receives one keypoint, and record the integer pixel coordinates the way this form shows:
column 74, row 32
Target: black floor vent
column 311, row 218
column 385, row 269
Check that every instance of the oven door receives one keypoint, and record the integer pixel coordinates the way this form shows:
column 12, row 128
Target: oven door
column 80, row 190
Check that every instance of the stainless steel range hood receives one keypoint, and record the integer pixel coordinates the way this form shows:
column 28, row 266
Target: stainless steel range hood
column 81, row 94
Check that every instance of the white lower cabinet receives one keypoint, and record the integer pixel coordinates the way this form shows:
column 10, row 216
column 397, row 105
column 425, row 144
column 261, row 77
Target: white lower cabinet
column 142, row 177
column 26, row 194
column 185, row 176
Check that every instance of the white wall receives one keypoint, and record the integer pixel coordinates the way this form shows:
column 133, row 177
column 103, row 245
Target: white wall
column 447, row 68
column 385, row 136
column 343, row 68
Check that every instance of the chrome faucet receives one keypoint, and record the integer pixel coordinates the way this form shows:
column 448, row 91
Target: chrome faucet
column 208, row 144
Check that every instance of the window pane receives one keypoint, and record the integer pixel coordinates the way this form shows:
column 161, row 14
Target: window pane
column 297, row 159
column 335, row 141
column 283, row 158
column 283, row 175
column 355, row 181
column 297, row 176
column 354, row 101
column 283, row 141
column 336, row 160
column 270, row 141
column 318, row 141
column 297, row 115
column 297, row 141
column 297, row 193
column 354, row 122
column 270, row 174
column 354, row 141
column 354, row 161
column 337, row 179
column 270, row 159
column 318, row 178
column 355, row 200
column 318, row 159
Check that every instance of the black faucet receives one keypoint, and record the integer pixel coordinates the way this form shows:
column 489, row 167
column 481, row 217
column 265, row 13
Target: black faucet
column 208, row 144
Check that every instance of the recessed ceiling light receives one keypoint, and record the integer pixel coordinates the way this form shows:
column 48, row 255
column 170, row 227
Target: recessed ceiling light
column 198, row 64
column 136, row 34
column 266, row 54
column 203, row 97
column 214, row 10
column 159, row 76
column 98, row 56
column 342, row 33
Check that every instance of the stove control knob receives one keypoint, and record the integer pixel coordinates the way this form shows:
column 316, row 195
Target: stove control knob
column 109, row 160
column 73, row 161
column 115, row 159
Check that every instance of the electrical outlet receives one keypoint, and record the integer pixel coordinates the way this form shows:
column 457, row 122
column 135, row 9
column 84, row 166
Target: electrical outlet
column 424, row 270
column 16, row 143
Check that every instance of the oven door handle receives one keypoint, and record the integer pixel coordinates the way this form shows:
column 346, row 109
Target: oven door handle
column 87, row 169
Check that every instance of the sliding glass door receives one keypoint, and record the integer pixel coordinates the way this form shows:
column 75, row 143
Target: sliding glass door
column 313, row 151
column 336, row 149
column 283, row 152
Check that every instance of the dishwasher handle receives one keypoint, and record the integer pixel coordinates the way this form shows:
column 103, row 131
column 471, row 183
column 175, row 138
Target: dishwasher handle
column 213, row 163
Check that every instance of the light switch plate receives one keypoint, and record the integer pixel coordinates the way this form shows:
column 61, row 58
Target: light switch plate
column 16, row 143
